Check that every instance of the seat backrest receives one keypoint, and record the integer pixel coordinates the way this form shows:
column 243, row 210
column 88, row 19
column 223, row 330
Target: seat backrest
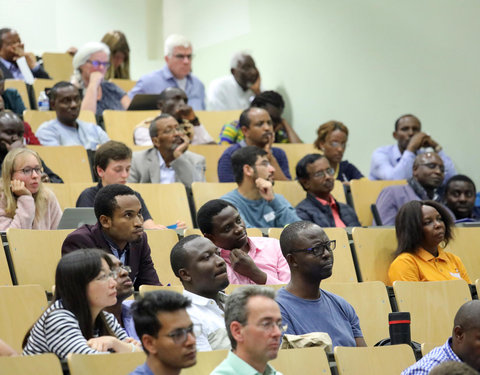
column 205, row 191
column 378, row 360
column 213, row 121
column 231, row 287
column 432, row 306
column 62, row 192
column 161, row 243
column 45, row 364
column 40, row 84
column 69, row 162
column 125, row 84
column 343, row 266
column 167, row 203
column 21, row 87
column 295, row 151
column 466, row 245
column 365, row 193
column 305, row 361
column 206, row 362
column 151, row 288
column 35, row 254
column 100, row 364
column 371, row 303
column 36, row 118
column 374, row 249
column 212, row 154
column 120, row 125
column 5, row 278
column 21, row 306
column 58, row 65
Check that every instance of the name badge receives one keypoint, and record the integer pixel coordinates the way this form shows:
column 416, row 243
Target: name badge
column 455, row 274
column 270, row 216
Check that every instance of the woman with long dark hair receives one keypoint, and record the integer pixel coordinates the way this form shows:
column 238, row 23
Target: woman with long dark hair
column 423, row 229
column 75, row 322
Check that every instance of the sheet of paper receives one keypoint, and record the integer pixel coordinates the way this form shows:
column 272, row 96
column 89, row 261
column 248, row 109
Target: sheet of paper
column 27, row 73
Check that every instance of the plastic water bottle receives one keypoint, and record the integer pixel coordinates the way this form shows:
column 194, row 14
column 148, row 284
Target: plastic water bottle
column 43, row 103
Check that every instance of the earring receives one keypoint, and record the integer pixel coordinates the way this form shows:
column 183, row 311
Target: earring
column 442, row 244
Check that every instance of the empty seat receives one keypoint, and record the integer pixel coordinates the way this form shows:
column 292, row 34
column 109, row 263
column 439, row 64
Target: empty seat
column 58, row 65
column 213, row 121
column 100, row 364
column 212, row 154
column 161, row 243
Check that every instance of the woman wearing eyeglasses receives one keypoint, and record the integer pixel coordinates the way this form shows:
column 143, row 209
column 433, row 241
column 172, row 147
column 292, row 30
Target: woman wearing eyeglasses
column 24, row 201
column 75, row 322
column 90, row 64
column 423, row 229
column 332, row 142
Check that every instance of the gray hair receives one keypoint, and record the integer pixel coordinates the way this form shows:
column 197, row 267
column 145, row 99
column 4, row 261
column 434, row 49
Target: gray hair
column 175, row 40
column 236, row 306
column 237, row 58
column 83, row 54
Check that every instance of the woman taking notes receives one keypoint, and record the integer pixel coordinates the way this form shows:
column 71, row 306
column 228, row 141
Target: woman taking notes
column 423, row 229
column 24, row 201
column 75, row 322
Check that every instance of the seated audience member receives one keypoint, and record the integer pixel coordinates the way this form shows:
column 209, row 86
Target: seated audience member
column 428, row 172
column 332, row 142
column 75, row 322
column 273, row 103
column 195, row 260
column 460, row 192
column 12, row 49
column 112, row 165
column 6, row 350
column 176, row 73
column 237, row 90
column 122, row 308
column 166, row 332
column 24, row 202
column 168, row 160
column 119, row 55
column 316, row 177
column 28, row 134
column 173, row 101
column 250, row 260
column 461, row 347
column 305, row 307
column 11, row 99
column 254, row 198
column 90, row 64
column 453, row 368
column 257, row 128
column 421, row 226
column 119, row 231
column 67, row 129
column 394, row 162
column 255, row 328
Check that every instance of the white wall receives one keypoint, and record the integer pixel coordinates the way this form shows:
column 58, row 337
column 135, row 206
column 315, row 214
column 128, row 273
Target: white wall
column 362, row 62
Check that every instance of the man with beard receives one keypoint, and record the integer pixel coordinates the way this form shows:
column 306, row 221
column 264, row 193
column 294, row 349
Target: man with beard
column 195, row 260
column 428, row 174
column 168, row 160
column 174, row 101
column 257, row 128
column 309, row 253
column 250, row 260
column 258, row 205
column 320, row 207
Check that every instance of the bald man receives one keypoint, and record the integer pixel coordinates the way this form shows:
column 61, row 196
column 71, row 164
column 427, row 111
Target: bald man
column 463, row 346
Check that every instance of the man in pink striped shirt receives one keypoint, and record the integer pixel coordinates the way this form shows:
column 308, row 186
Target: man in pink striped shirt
column 250, row 260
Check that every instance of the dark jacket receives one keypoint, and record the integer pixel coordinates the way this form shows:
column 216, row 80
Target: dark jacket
column 312, row 210
column 138, row 257
column 37, row 73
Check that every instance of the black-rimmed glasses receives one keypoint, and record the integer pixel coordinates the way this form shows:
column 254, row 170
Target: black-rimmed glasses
column 319, row 249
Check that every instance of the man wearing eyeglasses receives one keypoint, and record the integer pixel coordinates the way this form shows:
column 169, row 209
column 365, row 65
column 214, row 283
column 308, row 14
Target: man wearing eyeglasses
column 166, row 332
column 176, row 73
column 317, row 179
column 254, row 325
column 394, row 162
column 305, row 307
column 426, row 184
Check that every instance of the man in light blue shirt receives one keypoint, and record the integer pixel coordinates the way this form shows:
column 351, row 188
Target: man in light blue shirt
column 176, row 73
column 254, row 325
column 66, row 129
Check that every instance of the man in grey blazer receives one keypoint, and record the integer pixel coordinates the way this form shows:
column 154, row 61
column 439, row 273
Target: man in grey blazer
column 169, row 160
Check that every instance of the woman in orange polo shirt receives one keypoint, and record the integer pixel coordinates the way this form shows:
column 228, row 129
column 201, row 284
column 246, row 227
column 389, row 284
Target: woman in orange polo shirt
column 423, row 229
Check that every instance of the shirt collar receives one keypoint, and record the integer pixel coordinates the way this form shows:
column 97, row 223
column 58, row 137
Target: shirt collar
column 197, row 299
column 161, row 161
column 169, row 75
column 329, row 202
column 8, row 64
column 226, row 253
column 427, row 256
column 113, row 245
column 244, row 368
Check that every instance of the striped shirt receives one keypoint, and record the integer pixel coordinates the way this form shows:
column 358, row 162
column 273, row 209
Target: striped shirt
column 57, row 331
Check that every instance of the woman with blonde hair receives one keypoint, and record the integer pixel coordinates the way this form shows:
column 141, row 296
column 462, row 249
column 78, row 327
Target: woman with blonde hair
column 90, row 65
column 24, row 202
column 332, row 141
column 119, row 55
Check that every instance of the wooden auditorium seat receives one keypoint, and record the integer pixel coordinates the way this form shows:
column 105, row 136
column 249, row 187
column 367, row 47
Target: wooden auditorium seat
column 206, row 191
column 101, row 364
column 45, row 364
column 40, row 84
column 58, row 65
column 296, row 151
column 5, row 278
column 125, row 84
column 466, row 245
column 213, row 121
column 21, row 87
column 212, row 154
column 161, row 243
column 305, row 361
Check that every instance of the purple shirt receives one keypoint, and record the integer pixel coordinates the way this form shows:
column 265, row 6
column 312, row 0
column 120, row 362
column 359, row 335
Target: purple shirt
column 391, row 199
column 267, row 255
